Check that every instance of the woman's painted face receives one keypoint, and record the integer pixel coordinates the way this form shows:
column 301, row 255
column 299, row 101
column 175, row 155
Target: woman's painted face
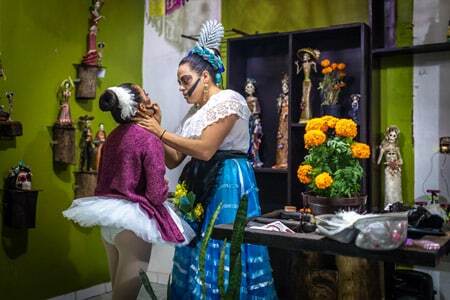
column 189, row 84
column 148, row 103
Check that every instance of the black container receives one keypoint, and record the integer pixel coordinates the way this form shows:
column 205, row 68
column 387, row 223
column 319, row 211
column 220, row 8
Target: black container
column 19, row 208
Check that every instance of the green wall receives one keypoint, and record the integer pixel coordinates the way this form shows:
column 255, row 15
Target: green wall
column 395, row 101
column 40, row 41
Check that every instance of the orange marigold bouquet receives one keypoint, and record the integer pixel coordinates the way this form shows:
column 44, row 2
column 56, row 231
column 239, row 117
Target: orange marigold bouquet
column 333, row 81
column 332, row 167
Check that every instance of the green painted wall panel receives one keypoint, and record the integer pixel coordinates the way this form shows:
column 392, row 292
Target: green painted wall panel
column 40, row 42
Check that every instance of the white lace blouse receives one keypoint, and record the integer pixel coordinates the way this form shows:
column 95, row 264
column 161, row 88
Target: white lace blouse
column 219, row 106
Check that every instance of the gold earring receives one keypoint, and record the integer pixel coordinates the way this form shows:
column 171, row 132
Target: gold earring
column 205, row 92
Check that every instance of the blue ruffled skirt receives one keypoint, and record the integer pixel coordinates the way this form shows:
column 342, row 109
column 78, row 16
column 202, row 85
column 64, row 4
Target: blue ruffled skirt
column 235, row 178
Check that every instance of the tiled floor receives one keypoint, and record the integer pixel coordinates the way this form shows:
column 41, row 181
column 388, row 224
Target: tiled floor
column 159, row 289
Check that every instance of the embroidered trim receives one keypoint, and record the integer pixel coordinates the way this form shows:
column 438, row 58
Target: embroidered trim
column 213, row 111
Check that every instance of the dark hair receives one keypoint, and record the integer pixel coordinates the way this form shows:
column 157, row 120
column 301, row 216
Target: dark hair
column 108, row 101
column 198, row 64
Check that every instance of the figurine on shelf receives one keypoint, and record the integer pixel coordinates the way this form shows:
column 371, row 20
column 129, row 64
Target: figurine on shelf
column 393, row 163
column 10, row 96
column 91, row 57
column 2, row 71
column 19, row 177
column 100, row 138
column 255, row 127
column 282, row 133
column 86, row 144
column 4, row 115
column 354, row 112
column 65, row 91
column 307, row 57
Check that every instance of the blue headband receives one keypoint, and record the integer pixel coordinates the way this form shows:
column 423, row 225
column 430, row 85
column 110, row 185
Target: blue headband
column 214, row 60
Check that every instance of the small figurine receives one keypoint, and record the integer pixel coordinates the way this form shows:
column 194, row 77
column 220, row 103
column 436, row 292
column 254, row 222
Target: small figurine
column 354, row 112
column 307, row 57
column 255, row 127
column 2, row 71
column 10, row 96
column 19, row 177
column 86, row 144
column 100, row 138
column 100, row 46
column 393, row 162
column 282, row 133
column 91, row 57
column 65, row 91
column 4, row 115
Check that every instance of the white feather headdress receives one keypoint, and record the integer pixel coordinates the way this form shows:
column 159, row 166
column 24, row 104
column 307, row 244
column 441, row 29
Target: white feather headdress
column 128, row 106
column 211, row 34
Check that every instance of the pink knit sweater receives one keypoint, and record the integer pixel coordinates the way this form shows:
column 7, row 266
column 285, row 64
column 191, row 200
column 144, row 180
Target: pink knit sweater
column 132, row 168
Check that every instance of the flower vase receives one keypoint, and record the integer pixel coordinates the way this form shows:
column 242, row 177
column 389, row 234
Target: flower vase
column 334, row 110
column 324, row 205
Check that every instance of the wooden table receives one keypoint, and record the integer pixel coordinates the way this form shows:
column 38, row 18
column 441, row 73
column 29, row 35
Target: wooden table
column 319, row 244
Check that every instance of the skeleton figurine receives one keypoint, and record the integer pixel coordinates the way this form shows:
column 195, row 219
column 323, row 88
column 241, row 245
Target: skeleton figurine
column 10, row 96
column 282, row 132
column 255, row 127
column 354, row 112
column 64, row 118
column 307, row 62
column 100, row 138
column 393, row 162
column 86, row 144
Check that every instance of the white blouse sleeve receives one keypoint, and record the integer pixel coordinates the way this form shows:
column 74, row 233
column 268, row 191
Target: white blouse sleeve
column 226, row 103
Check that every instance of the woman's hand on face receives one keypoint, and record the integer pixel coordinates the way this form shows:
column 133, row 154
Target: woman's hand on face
column 148, row 122
column 156, row 112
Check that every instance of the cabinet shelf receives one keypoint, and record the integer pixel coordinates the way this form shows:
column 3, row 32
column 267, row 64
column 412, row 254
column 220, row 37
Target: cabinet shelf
column 429, row 48
column 270, row 170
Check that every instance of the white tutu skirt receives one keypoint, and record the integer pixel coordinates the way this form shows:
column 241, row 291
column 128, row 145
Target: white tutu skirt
column 123, row 214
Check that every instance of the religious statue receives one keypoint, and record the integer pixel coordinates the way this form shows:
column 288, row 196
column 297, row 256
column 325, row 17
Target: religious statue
column 307, row 62
column 393, row 162
column 255, row 127
column 86, row 144
column 282, row 133
column 91, row 57
column 65, row 91
column 100, row 138
column 354, row 112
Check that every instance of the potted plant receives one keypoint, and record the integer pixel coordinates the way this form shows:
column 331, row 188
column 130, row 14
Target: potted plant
column 331, row 85
column 331, row 169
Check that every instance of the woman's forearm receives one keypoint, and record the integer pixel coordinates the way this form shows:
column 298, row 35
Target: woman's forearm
column 172, row 157
column 175, row 145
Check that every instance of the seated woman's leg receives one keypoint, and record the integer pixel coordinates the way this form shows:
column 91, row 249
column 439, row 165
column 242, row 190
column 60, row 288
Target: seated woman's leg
column 134, row 255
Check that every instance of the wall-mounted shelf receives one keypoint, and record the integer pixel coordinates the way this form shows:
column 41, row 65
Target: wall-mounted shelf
column 429, row 48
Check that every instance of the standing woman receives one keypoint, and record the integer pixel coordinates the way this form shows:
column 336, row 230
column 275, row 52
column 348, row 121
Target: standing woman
column 214, row 133
column 130, row 199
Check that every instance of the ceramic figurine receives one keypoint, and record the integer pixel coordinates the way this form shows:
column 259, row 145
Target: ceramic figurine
column 86, row 144
column 91, row 57
column 354, row 112
column 19, row 177
column 64, row 118
column 100, row 138
column 393, row 162
column 281, row 158
column 255, row 127
column 307, row 62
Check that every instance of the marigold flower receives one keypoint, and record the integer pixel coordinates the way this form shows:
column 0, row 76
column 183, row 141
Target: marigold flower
column 327, row 70
column 314, row 138
column 325, row 63
column 360, row 150
column 346, row 128
column 180, row 190
column 341, row 66
column 330, row 121
column 334, row 66
column 316, row 124
column 198, row 211
column 303, row 173
column 323, row 180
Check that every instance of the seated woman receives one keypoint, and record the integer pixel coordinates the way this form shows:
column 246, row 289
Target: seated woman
column 130, row 199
